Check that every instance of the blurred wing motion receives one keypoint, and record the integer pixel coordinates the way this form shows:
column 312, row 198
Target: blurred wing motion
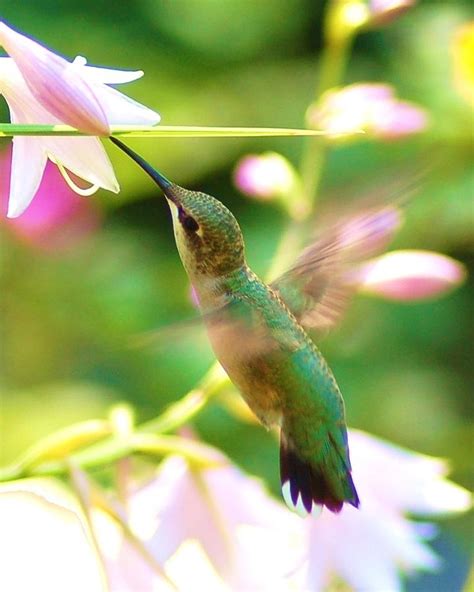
column 317, row 289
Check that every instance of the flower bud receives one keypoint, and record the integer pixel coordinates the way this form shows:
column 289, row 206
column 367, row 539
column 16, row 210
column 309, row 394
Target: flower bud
column 410, row 275
column 264, row 176
column 368, row 107
column 270, row 176
column 383, row 12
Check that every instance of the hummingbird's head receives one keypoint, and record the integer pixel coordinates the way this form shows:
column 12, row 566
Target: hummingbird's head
column 208, row 237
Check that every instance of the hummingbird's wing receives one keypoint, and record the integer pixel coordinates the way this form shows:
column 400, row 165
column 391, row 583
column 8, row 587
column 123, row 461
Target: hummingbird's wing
column 319, row 286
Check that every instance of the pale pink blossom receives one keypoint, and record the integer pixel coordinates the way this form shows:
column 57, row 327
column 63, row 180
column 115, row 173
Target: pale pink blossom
column 366, row 107
column 248, row 540
column 370, row 548
column 43, row 88
column 72, row 92
column 409, row 275
column 218, row 529
column 264, row 176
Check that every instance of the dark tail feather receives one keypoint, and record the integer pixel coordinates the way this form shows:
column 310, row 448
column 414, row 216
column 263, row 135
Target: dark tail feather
column 314, row 484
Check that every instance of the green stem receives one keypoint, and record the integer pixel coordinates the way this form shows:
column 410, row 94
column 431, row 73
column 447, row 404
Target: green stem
column 332, row 66
column 162, row 131
column 113, row 450
column 331, row 73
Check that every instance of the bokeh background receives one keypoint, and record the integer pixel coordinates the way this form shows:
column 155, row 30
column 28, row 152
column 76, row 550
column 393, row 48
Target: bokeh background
column 79, row 286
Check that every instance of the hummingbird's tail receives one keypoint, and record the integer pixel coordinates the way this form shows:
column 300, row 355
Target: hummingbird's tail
column 305, row 481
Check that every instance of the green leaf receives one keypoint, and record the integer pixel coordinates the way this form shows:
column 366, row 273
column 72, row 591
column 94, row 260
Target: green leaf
column 162, row 131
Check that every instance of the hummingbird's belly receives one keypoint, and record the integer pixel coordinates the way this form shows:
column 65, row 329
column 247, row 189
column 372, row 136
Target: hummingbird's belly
column 253, row 371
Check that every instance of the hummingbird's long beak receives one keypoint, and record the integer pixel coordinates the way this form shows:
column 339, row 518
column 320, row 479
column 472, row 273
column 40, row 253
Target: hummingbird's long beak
column 165, row 184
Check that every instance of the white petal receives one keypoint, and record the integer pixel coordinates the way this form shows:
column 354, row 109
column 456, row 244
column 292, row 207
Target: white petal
column 28, row 163
column 49, row 551
column 85, row 157
column 107, row 75
column 121, row 109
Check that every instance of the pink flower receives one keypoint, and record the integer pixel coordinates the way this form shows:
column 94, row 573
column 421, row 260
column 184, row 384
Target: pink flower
column 55, row 83
column 264, row 176
column 369, row 548
column 372, row 108
column 241, row 537
column 409, row 275
column 57, row 219
column 72, row 92
column 43, row 88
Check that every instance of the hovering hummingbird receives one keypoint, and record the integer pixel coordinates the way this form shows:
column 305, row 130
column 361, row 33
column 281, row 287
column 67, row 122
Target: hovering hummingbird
column 258, row 335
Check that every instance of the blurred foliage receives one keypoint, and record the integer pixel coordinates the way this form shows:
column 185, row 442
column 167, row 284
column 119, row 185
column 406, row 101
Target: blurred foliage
column 70, row 319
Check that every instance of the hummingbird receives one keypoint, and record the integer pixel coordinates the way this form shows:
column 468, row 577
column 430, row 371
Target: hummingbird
column 258, row 333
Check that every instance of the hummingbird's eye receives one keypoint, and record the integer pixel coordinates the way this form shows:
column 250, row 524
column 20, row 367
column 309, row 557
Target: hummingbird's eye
column 187, row 221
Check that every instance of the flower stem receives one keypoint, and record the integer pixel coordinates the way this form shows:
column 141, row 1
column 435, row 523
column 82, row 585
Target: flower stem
column 333, row 63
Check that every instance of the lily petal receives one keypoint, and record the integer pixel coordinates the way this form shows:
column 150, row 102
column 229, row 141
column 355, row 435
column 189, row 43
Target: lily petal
column 24, row 186
column 56, row 83
column 107, row 75
column 121, row 109
column 85, row 157
column 43, row 88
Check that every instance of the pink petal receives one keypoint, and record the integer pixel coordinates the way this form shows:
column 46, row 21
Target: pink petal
column 401, row 119
column 56, row 83
column 265, row 175
column 373, row 108
column 410, row 275
column 385, row 11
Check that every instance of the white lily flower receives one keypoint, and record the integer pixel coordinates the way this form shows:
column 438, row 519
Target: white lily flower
column 43, row 88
